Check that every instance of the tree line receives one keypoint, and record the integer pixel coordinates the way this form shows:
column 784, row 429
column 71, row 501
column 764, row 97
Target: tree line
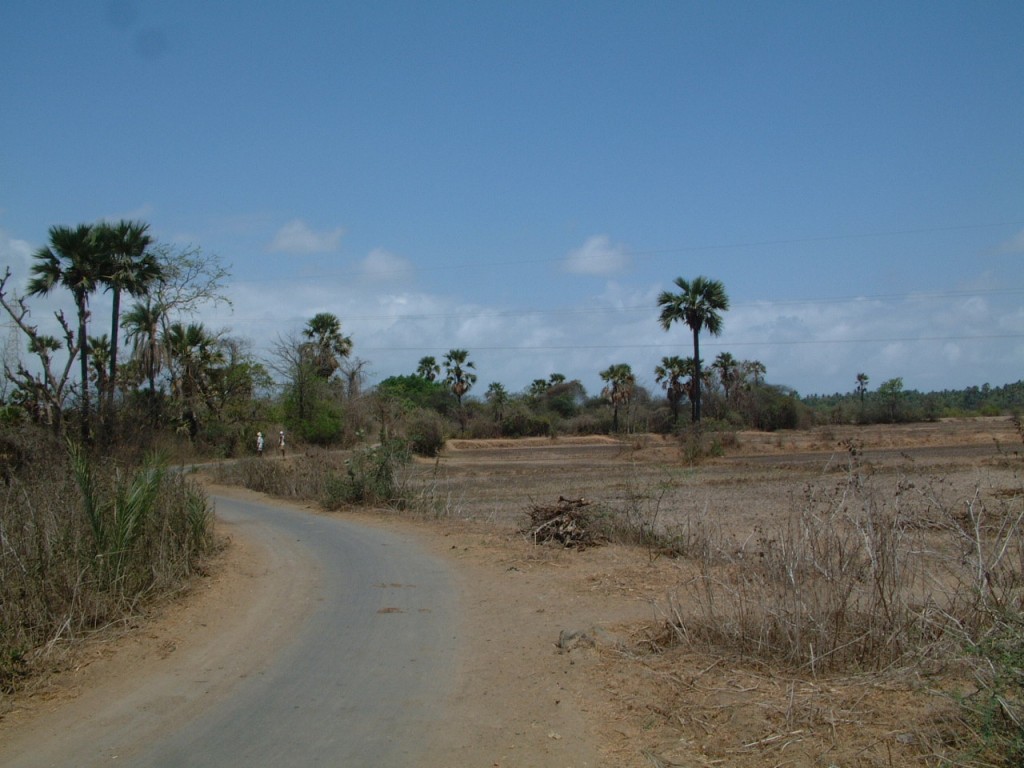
column 158, row 373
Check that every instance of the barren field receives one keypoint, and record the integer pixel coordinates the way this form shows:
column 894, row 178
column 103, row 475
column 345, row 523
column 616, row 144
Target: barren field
column 656, row 701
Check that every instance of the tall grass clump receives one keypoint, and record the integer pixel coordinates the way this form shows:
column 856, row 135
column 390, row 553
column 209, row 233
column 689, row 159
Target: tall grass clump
column 85, row 544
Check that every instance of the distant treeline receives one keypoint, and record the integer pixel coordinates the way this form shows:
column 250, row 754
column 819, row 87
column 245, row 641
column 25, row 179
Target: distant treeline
column 890, row 402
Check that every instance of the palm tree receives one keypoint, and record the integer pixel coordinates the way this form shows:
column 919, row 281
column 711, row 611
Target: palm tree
column 697, row 304
column 862, row 388
column 128, row 267
column 756, row 369
column 728, row 369
column 670, row 374
column 428, row 368
column 619, row 389
column 194, row 354
column 497, row 396
column 538, row 387
column 99, row 359
column 458, row 377
column 142, row 331
column 327, row 345
column 72, row 261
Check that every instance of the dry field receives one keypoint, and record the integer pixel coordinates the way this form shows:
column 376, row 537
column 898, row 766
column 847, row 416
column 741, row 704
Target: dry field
column 670, row 693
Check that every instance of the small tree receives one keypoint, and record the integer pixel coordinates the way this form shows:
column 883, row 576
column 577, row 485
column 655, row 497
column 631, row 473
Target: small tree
column 862, row 389
column 458, row 373
column 729, row 372
column 498, row 398
column 327, row 345
column 670, row 373
column 428, row 368
column 619, row 389
column 459, row 378
column 891, row 392
column 43, row 393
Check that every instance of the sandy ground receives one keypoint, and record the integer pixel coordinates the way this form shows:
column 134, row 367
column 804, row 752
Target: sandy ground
column 606, row 698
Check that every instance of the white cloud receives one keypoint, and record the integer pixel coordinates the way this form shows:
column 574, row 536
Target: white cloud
column 932, row 341
column 597, row 256
column 297, row 237
column 384, row 265
column 16, row 254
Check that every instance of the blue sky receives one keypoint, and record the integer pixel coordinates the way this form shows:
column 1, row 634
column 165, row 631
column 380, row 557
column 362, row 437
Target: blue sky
column 522, row 179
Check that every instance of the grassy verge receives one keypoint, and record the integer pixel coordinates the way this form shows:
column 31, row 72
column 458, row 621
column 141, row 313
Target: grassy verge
column 85, row 544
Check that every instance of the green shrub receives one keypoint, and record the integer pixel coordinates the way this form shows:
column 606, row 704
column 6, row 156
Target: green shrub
column 371, row 477
column 426, row 433
column 322, row 428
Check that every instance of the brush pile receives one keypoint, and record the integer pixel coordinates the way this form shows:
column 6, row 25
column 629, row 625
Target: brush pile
column 568, row 522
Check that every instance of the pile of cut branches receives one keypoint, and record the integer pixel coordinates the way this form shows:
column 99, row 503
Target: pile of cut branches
column 567, row 522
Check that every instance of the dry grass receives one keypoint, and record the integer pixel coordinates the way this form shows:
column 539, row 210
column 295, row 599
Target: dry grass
column 85, row 545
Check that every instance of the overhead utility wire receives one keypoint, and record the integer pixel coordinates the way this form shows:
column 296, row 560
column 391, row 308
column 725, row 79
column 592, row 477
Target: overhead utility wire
column 485, row 313
column 798, row 342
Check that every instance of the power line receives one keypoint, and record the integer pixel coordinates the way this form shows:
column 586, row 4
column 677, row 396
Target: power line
column 609, row 310
column 705, row 344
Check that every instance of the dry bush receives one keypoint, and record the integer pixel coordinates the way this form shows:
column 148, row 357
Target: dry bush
column 856, row 579
column 375, row 475
column 874, row 574
column 304, row 476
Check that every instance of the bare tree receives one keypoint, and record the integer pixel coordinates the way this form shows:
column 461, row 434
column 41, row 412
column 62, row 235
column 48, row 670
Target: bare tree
column 44, row 393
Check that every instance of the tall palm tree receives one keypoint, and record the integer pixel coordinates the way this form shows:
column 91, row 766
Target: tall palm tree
column 72, row 261
column 619, row 390
column 698, row 304
column 428, row 368
column 128, row 267
column 670, row 373
column 327, row 346
column 458, row 374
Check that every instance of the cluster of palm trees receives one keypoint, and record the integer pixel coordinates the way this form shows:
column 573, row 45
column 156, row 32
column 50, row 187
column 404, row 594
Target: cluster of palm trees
column 83, row 259
column 121, row 259
column 458, row 370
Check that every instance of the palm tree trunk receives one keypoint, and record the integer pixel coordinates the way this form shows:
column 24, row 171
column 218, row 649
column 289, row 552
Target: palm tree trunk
column 696, row 370
column 83, row 340
column 108, row 421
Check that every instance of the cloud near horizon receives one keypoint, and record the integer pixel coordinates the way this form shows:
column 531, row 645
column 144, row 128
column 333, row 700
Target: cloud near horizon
column 597, row 256
column 383, row 265
column 296, row 237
